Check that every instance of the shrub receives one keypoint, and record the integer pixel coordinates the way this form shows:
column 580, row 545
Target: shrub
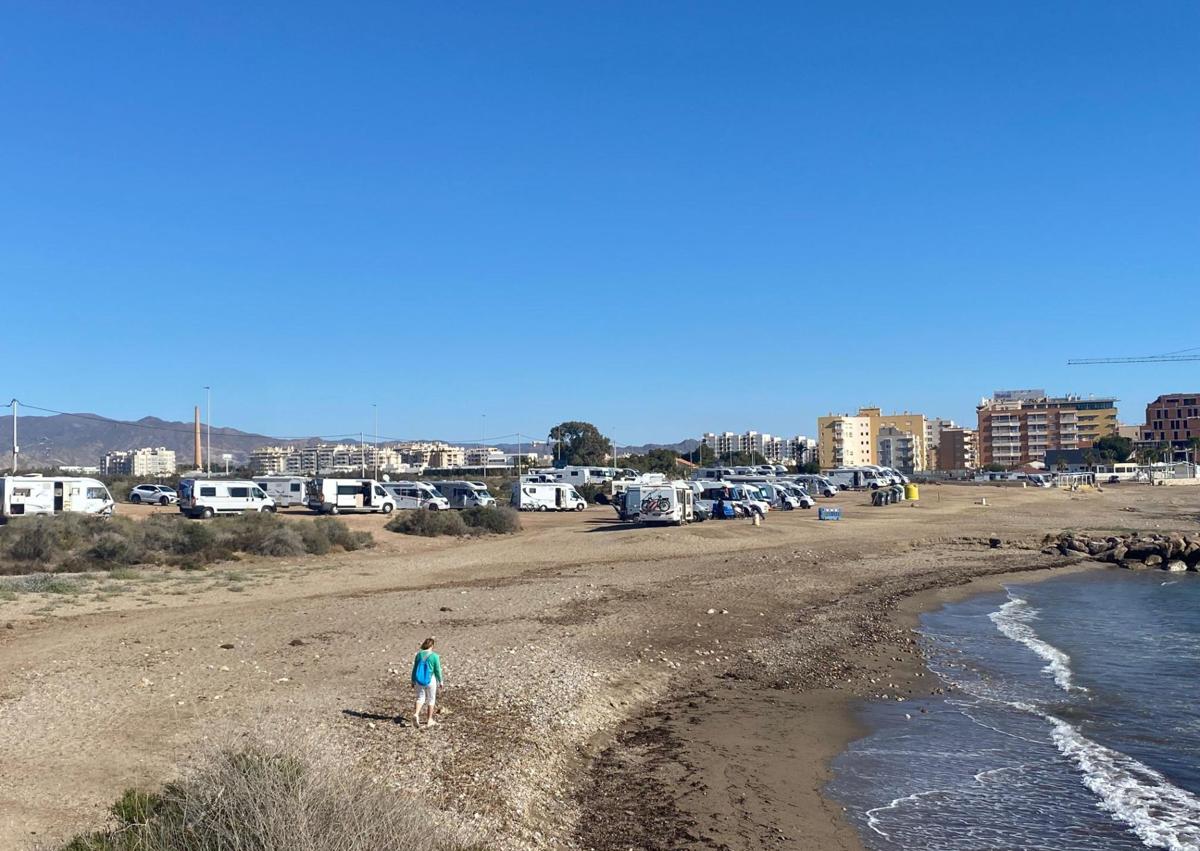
column 428, row 524
column 498, row 520
column 41, row 583
column 341, row 535
column 33, row 541
column 271, row 798
column 116, row 548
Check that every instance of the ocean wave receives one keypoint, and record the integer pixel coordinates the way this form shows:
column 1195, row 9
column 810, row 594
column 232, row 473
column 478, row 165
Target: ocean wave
column 1012, row 619
column 1159, row 812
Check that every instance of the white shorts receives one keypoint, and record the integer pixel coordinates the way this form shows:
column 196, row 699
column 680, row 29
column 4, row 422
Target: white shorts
column 427, row 694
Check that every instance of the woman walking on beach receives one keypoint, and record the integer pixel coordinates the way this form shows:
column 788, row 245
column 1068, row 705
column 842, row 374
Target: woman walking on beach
column 426, row 677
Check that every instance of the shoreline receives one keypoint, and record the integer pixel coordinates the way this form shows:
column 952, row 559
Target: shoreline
column 744, row 763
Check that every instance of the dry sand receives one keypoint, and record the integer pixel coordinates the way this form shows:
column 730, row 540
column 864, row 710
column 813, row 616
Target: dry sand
column 592, row 700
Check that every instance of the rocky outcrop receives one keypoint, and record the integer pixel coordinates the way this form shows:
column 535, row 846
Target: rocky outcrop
column 1174, row 551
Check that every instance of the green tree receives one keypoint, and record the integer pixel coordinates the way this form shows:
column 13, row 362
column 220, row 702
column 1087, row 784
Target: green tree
column 654, row 461
column 702, row 455
column 1112, row 449
column 744, row 459
column 579, row 443
column 810, row 468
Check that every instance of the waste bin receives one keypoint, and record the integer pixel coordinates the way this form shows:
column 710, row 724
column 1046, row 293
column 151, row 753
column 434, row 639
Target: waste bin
column 911, row 492
column 877, row 498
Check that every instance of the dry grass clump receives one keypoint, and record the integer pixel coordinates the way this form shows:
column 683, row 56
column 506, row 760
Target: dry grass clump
column 272, row 797
column 498, row 520
column 81, row 542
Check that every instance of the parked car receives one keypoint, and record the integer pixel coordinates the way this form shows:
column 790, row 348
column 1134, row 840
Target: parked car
column 153, row 494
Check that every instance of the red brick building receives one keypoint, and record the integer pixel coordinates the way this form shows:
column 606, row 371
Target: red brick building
column 1173, row 419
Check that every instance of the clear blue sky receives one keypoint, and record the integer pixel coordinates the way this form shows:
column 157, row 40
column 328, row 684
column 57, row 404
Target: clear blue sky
column 663, row 218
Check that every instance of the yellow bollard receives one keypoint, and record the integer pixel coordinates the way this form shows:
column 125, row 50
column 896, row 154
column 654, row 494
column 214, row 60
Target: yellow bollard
column 911, row 492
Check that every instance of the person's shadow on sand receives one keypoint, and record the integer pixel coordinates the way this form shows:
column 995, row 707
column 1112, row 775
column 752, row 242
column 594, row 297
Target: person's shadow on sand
column 375, row 716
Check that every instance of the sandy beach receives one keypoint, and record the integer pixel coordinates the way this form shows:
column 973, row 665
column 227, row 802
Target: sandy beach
column 608, row 687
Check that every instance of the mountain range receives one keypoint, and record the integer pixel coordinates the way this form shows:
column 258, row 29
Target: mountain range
column 80, row 439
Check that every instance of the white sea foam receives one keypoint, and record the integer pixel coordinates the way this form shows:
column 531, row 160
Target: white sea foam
column 1012, row 619
column 1160, row 813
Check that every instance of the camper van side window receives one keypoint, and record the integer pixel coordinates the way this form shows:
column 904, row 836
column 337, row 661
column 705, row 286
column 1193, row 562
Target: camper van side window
column 210, row 491
column 348, row 490
column 295, row 487
column 239, row 492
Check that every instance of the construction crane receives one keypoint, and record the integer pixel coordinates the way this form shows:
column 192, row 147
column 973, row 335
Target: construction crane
column 1169, row 357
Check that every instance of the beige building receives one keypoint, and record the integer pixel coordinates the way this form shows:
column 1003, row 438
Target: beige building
column 154, row 463
column 846, row 440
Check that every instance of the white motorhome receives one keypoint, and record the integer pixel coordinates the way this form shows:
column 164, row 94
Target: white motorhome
column 713, row 474
column 410, row 496
column 742, row 494
column 546, row 496
column 781, row 495
column 670, row 503
column 207, row 497
column 333, row 496
column 852, row 478
column 465, row 494
column 584, row 475
column 816, row 485
column 23, row 495
column 285, row 490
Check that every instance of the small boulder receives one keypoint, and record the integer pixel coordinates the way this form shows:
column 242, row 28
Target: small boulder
column 1119, row 552
column 1153, row 560
column 1177, row 566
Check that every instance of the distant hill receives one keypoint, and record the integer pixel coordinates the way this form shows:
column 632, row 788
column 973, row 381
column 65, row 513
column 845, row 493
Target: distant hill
column 81, row 439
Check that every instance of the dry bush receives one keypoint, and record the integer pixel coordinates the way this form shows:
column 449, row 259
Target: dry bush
column 273, row 797
column 499, row 520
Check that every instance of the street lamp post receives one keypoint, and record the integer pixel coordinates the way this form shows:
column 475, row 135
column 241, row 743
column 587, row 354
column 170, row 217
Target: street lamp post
column 208, row 441
column 376, row 408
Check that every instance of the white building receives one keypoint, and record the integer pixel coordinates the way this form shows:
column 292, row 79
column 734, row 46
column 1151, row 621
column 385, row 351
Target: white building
column 154, row 462
column 897, row 449
column 777, row 450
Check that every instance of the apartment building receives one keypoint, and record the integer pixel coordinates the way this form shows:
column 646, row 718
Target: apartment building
column 1173, row 419
column 846, row 440
column 484, row 456
column 1019, row 426
column 956, row 449
column 154, row 462
column 267, row 460
column 933, row 435
column 775, row 449
column 896, row 448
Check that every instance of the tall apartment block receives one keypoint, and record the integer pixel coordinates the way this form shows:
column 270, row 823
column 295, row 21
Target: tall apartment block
column 1173, row 419
column 846, row 440
column 956, row 449
column 1018, row 426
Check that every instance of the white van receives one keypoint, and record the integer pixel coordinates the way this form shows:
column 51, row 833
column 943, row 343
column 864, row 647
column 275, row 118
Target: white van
column 22, row 495
column 285, row 490
column 741, row 494
column 333, row 496
column 465, row 494
column 206, row 497
column 410, row 496
column 713, row 474
column 781, row 496
column 816, row 485
column 671, row 503
column 546, row 496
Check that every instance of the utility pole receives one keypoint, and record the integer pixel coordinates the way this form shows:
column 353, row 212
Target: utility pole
column 482, row 438
column 376, row 407
column 208, row 447
column 362, row 450
column 518, row 456
column 14, row 404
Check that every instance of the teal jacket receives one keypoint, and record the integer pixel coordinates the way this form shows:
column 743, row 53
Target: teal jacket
column 435, row 665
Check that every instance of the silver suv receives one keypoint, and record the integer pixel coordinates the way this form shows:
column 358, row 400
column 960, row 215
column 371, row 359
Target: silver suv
column 154, row 494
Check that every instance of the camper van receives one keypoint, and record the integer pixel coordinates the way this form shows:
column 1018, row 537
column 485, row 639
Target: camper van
column 285, row 490
column 21, row 495
column 207, row 497
column 333, row 496
column 784, row 495
column 465, row 494
column 853, row 478
column 816, row 485
column 713, row 474
column 670, row 503
column 546, row 496
column 583, row 475
column 416, row 495
column 743, row 495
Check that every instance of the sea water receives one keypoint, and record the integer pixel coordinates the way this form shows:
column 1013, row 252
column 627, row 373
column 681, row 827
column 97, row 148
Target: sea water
column 1073, row 723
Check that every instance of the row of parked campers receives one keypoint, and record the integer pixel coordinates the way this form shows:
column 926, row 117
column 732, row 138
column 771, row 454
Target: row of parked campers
column 207, row 497
column 23, row 495
column 654, row 500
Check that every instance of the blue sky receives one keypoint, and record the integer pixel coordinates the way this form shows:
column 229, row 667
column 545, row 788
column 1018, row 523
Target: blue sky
column 663, row 218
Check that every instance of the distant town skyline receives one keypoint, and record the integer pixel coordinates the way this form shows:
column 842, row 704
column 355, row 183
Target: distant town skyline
column 661, row 220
